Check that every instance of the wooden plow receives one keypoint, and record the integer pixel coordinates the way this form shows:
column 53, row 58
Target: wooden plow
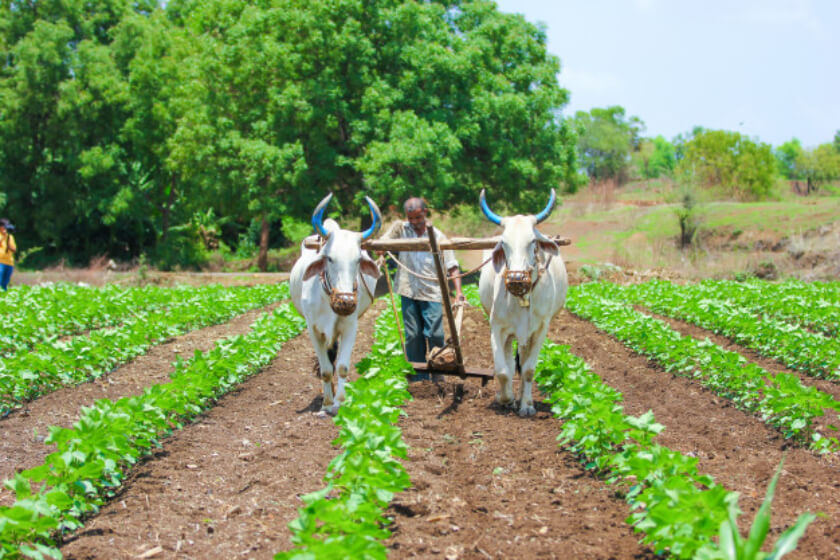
column 454, row 318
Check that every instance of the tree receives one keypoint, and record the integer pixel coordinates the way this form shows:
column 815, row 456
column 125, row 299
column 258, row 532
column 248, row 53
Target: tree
column 787, row 156
column 606, row 141
column 122, row 121
column 655, row 158
column 728, row 160
column 819, row 166
column 393, row 98
column 64, row 104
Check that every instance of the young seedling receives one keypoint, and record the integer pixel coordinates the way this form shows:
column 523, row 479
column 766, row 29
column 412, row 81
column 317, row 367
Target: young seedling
column 733, row 546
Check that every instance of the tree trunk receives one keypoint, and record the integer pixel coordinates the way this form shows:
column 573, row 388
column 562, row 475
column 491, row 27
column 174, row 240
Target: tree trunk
column 262, row 259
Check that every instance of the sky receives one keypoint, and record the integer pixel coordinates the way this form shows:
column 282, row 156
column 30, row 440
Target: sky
column 769, row 69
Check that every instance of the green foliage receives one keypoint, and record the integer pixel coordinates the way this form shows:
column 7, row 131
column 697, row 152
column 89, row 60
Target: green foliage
column 732, row 546
column 35, row 364
column 345, row 519
column 781, row 400
column 787, row 156
column 655, row 158
column 819, row 166
column 730, row 161
column 122, row 119
column 88, row 466
column 607, row 138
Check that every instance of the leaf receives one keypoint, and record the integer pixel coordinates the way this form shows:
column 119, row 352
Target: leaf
column 788, row 540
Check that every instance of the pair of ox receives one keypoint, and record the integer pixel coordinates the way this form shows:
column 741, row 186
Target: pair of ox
column 521, row 292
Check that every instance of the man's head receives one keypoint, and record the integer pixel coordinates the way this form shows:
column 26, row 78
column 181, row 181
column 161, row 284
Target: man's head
column 416, row 213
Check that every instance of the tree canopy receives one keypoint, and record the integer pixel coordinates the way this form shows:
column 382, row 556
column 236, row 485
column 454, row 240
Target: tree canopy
column 730, row 161
column 606, row 141
column 127, row 125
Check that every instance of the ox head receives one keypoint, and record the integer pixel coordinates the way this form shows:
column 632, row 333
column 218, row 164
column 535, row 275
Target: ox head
column 341, row 259
column 522, row 248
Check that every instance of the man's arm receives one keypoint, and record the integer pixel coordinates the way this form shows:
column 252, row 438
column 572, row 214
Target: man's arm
column 454, row 274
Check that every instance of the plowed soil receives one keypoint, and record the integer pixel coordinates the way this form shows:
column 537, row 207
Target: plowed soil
column 486, row 483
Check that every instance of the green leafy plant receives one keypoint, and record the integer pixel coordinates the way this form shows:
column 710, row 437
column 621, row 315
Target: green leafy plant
column 345, row 519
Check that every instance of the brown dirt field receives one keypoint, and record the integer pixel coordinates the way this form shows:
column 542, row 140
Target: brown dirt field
column 486, row 482
column 738, row 450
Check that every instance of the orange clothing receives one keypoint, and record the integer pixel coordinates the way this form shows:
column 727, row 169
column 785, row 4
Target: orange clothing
column 7, row 248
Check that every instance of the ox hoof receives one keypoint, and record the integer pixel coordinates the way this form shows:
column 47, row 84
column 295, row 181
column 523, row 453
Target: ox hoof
column 525, row 411
column 503, row 401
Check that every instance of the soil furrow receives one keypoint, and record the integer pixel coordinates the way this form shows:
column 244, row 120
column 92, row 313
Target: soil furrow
column 24, row 429
column 738, row 450
column 228, row 485
column 489, row 484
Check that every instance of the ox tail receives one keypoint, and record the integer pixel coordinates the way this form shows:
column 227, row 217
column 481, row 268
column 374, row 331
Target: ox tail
column 518, row 367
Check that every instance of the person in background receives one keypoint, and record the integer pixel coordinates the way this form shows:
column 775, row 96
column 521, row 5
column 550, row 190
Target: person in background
column 8, row 248
column 421, row 298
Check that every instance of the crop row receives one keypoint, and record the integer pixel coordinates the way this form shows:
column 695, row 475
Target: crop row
column 66, row 309
column 49, row 366
column 88, row 466
column 798, row 348
column 778, row 399
column 678, row 509
column 345, row 519
column 790, row 301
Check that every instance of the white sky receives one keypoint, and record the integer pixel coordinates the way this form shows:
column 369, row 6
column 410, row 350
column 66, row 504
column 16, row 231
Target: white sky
column 766, row 68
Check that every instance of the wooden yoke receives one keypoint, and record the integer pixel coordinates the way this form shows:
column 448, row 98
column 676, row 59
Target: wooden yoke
column 423, row 244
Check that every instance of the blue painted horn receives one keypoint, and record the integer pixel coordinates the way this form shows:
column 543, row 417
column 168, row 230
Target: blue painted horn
column 376, row 216
column 318, row 216
column 487, row 212
column 549, row 207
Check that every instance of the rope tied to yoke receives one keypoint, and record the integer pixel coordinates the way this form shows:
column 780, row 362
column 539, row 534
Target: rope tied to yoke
column 434, row 278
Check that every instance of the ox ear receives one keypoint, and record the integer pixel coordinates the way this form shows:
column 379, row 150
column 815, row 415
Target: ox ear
column 545, row 244
column 549, row 246
column 315, row 268
column 498, row 257
column 369, row 267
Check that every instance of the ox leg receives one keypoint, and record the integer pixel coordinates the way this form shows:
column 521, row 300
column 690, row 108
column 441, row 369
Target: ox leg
column 326, row 368
column 503, row 361
column 342, row 364
column 528, row 359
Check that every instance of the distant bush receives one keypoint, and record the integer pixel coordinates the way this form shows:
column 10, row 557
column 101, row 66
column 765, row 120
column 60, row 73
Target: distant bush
column 730, row 161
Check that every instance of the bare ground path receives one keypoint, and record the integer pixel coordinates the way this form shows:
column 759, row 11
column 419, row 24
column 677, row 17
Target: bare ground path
column 738, row 450
column 24, row 429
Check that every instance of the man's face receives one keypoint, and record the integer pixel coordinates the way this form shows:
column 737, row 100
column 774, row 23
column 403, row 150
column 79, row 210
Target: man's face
column 417, row 219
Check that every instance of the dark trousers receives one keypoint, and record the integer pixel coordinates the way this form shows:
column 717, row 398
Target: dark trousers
column 5, row 275
column 423, row 320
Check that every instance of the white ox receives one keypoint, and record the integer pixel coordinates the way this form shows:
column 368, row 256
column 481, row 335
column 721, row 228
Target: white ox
column 523, row 290
column 325, row 289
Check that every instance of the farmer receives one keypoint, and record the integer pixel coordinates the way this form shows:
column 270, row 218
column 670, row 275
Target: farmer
column 8, row 248
column 417, row 284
